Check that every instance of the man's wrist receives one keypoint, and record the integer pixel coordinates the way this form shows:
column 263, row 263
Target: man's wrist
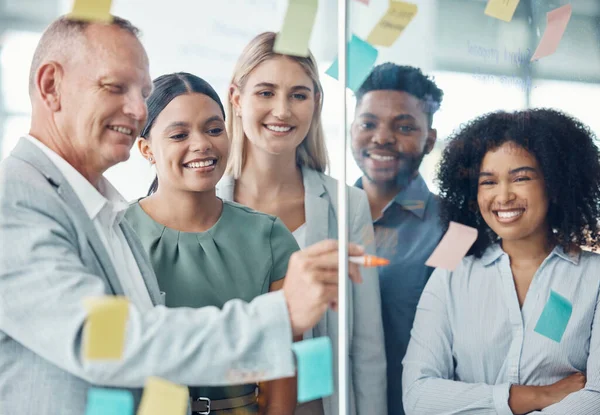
column 542, row 396
column 524, row 399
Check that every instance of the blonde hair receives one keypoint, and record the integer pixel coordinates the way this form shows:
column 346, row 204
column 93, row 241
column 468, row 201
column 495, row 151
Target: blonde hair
column 312, row 152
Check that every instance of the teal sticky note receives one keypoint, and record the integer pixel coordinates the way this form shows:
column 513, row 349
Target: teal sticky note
column 315, row 368
column 555, row 317
column 297, row 27
column 360, row 59
column 109, row 401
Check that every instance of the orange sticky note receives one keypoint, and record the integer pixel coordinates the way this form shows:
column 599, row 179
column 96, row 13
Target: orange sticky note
column 104, row 332
column 557, row 21
column 392, row 24
column 92, row 10
column 501, row 9
column 453, row 247
column 162, row 397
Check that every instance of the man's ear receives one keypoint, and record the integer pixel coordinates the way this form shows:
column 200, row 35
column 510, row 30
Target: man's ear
column 145, row 149
column 48, row 80
column 430, row 141
column 234, row 98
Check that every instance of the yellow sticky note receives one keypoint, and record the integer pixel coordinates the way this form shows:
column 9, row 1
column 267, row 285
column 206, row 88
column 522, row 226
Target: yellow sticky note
column 297, row 27
column 163, row 397
column 393, row 22
column 502, row 9
column 104, row 333
column 92, row 10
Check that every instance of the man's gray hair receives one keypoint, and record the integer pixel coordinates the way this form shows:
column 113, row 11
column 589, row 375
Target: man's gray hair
column 59, row 35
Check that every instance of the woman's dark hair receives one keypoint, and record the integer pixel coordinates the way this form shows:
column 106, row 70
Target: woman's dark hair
column 167, row 88
column 568, row 157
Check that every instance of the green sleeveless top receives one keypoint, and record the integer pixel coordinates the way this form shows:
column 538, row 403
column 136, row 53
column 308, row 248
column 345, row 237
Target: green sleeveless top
column 239, row 257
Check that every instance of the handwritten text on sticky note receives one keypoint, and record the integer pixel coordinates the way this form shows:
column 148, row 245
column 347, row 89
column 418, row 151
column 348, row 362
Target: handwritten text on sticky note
column 557, row 21
column 104, row 334
column 109, row 401
column 297, row 27
column 163, row 397
column 501, row 9
column 392, row 24
column 453, row 247
column 555, row 317
column 315, row 368
column 91, row 10
column 360, row 59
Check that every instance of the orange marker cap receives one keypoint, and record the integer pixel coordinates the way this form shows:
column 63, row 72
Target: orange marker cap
column 374, row 261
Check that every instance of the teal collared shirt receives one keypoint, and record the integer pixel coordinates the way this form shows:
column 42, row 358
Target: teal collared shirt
column 407, row 232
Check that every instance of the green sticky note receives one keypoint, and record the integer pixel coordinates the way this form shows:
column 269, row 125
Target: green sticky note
column 315, row 368
column 555, row 317
column 109, row 401
column 360, row 59
column 297, row 27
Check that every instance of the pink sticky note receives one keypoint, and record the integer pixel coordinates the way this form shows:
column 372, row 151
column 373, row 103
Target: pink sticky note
column 364, row 1
column 453, row 247
column 557, row 21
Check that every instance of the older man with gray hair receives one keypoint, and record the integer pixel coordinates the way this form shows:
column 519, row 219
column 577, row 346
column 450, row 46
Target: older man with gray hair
column 62, row 240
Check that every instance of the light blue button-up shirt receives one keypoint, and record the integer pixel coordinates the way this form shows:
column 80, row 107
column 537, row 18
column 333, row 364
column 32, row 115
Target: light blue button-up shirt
column 471, row 340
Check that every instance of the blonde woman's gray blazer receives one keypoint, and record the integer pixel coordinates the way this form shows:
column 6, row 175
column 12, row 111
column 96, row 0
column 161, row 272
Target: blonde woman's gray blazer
column 366, row 351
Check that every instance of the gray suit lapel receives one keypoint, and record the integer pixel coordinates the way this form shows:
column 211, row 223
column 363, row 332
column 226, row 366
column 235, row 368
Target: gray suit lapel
column 31, row 154
column 316, row 210
column 143, row 262
column 316, row 207
column 91, row 233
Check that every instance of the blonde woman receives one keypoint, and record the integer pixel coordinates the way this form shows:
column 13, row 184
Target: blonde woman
column 276, row 165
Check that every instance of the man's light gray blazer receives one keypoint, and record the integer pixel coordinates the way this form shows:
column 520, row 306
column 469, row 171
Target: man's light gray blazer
column 367, row 371
column 51, row 258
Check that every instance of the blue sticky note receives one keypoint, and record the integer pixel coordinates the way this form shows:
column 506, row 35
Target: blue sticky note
column 109, row 401
column 315, row 368
column 555, row 317
column 360, row 59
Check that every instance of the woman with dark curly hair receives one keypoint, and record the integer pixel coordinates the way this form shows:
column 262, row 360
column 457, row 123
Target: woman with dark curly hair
column 515, row 328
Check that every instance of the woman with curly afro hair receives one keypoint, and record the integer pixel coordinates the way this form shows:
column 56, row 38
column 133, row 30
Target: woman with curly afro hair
column 515, row 328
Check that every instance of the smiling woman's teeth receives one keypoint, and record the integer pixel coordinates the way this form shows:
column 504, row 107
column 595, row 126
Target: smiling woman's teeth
column 381, row 158
column 508, row 215
column 278, row 129
column 121, row 130
column 199, row 164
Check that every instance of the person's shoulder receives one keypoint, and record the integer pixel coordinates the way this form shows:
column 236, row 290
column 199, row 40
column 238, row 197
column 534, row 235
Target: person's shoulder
column 24, row 189
column 247, row 213
column 582, row 263
column 467, row 264
column 252, row 226
column 589, row 256
column 327, row 180
column 459, row 276
column 15, row 169
column 355, row 194
column 22, row 180
column 132, row 213
column 433, row 205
